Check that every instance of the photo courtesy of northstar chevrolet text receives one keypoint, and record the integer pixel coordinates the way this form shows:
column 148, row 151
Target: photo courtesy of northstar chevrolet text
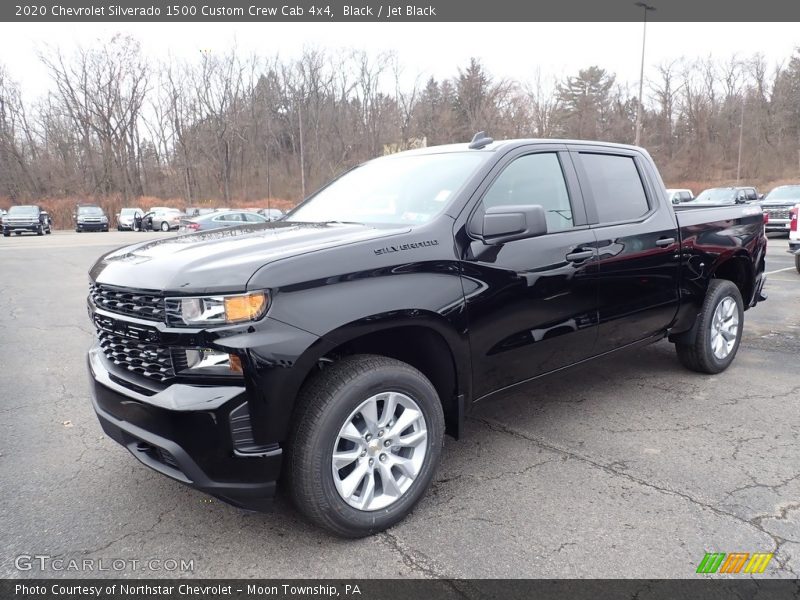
column 399, row 299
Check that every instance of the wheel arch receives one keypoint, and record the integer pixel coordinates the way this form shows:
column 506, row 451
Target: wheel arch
column 739, row 270
column 424, row 340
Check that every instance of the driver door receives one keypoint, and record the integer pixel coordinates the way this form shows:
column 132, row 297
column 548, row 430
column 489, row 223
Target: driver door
column 531, row 303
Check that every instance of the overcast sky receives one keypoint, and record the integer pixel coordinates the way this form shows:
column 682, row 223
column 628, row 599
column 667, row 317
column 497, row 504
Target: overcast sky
column 513, row 50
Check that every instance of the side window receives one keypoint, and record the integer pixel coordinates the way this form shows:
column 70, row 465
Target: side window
column 685, row 196
column 616, row 186
column 252, row 218
column 751, row 194
column 534, row 179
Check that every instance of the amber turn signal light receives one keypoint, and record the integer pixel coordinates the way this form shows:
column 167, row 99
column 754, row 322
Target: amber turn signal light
column 245, row 308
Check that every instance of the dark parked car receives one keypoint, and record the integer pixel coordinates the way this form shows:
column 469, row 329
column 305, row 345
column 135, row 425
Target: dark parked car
column 778, row 204
column 89, row 217
column 336, row 347
column 220, row 219
column 31, row 218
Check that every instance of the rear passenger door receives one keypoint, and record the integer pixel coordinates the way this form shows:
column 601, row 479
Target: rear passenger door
column 637, row 245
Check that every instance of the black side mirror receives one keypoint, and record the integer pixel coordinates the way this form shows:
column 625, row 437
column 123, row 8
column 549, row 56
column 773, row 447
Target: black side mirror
column 740, row 200
column 503, row 224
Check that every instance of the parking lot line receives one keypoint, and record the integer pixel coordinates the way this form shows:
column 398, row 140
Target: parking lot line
column 779, row 271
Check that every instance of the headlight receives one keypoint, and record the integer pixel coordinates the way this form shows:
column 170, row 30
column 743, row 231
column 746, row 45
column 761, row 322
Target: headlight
column 216, row 310
column 104, row 219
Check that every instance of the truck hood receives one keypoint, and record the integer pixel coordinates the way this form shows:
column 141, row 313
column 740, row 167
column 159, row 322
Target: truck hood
column 779, row 203
column 222, row 260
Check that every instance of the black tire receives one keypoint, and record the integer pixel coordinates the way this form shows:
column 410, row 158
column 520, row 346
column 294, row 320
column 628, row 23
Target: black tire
column 49, row 230
column 699, row 355
column 40, row 230
column 797, row 262
column 164, row 226
column 6, row 234
column 17, row 233
column 323, row 406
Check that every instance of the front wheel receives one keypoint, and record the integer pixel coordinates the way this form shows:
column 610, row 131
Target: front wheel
column 164, row 226
column 40, row 230
column 366, row 440
column 797, row 262
column 719, row 330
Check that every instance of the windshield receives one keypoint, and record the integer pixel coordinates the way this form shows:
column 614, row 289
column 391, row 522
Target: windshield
column 22, row 211
column 90, row 210
column 129, row 211
column 789, row 192
column 401, row 189
column 715, row 196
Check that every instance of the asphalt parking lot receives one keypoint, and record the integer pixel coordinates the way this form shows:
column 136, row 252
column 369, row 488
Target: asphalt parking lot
column 629, row 467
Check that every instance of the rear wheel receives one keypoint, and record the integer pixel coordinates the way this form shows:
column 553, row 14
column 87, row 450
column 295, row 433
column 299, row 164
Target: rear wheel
column 797, row 262
column 719, row 330
column 366, row 441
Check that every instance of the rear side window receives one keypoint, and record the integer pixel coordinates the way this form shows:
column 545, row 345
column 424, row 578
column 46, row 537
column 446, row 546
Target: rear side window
column 616, row 187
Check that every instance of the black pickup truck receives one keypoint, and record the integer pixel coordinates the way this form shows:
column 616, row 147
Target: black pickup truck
column 334, row 349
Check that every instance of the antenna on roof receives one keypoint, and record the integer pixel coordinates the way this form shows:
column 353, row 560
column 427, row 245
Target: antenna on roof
column 480, row 140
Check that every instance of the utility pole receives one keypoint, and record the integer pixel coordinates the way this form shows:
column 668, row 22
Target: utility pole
column 645, row 8
column 302, row 157
column 741, row 132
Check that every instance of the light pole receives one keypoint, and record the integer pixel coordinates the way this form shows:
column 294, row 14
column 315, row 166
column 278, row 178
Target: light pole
column 645, row 8
column 741, row 133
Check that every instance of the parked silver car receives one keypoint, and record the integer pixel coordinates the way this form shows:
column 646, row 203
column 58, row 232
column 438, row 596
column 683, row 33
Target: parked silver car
column 225, row 218
column 162, row 219
column 126, row 218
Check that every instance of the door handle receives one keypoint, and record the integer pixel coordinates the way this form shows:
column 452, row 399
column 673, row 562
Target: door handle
column 665, row 242
column 579, row 254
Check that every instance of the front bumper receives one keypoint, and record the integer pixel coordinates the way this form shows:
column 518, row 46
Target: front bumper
column 92, row 226
column 185, row 433
column 28, row 226
column 777, row 225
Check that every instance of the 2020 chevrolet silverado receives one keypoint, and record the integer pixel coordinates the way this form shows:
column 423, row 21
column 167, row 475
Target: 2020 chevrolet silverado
column 334, row 348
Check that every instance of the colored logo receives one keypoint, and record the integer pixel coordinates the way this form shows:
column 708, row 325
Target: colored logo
column 735, row 562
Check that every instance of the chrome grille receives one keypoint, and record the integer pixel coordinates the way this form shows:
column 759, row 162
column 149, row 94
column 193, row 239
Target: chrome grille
column 134, row 303
column 776, row 213
column 150, row 360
